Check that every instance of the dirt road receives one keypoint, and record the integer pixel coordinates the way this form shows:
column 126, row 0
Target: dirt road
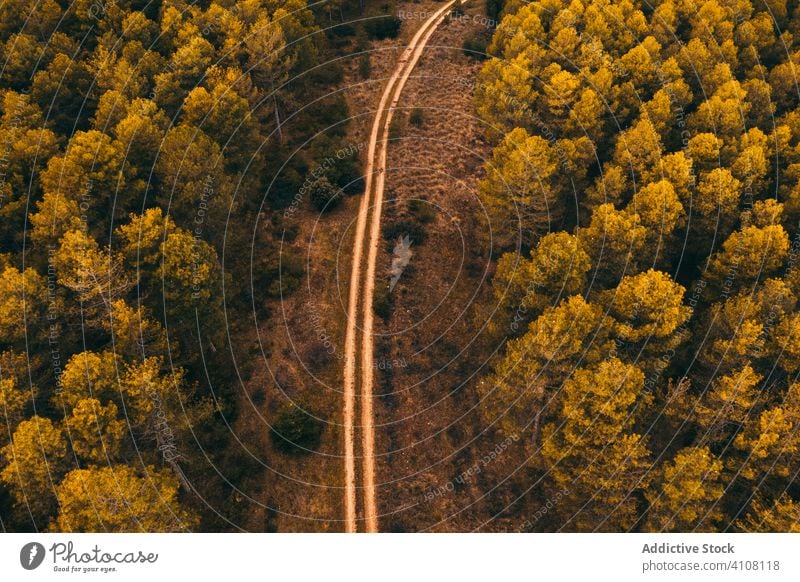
column 361, row 290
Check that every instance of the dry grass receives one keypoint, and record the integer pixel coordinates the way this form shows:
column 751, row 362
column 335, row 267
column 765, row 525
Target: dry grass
column 306, row 492
column 428, row 429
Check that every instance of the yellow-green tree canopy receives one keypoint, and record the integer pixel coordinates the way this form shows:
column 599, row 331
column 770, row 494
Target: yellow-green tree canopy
column 119, row 499
column 95, row 433
column 24, row 303
column 686, row 204
column 686, row 492
column 591, row 450
column 33, row 463
column 782, row 515
column 521, row 191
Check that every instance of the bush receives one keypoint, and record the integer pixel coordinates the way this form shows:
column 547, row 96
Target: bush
column 318, row 356
column 330, row 73
column 382, row 302
column 364, row 66
column 422, row 210
column 417, row 117
column 494, row 8
column 456, row 13
column 324, row 195
column 287, row 183
column 240, row 466
column 342, row 30
column 345, row 170
column 383, row 26
column 396, row 126
column 280, row 272
column 294, row 431
column 339, row 43
column 362, row 42
column 475, row 46
column 284, row 228
column 402, row 227
column 331, row 113
column 348, row 177
column 258, row 397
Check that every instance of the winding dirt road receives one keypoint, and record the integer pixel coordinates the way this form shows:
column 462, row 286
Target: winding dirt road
column 370, row 211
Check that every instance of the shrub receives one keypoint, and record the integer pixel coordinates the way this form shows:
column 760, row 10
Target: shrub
column 475, row 46
column 240, row 466
column 330, row 73
column 383, row 26
column 494, row 8
column 343, row 29
column 364, row 66
column 286, row 184
column 456, row 13
column 417, row 117
column 402, row 227
column 280, row 272
column 345, row 171
column 396, row 126
column 382, row 302
column 422, row 210
column 324, row 195
column 361, row 42
column 331, row 113
column 258, row 397
column 295, row 431
column 318, row 356
column 348, row 177
column 283, row 228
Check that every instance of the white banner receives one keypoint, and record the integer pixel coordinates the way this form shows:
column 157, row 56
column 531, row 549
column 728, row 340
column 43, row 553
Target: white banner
column 400, row 557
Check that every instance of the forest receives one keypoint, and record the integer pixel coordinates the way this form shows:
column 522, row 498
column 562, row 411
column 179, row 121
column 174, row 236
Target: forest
column 133, row 135
column 166, row 165
column 643, row 191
